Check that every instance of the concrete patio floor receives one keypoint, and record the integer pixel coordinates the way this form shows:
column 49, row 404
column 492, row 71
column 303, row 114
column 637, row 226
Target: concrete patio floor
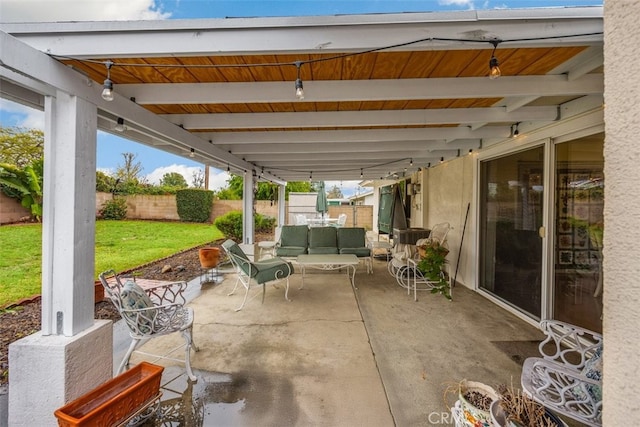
column 332, row 357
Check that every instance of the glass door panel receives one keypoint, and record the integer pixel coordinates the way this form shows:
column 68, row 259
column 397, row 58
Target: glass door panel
column 511, row 196
column 579, row 202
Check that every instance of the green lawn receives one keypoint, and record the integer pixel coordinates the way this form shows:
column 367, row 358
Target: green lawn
column 120, row 245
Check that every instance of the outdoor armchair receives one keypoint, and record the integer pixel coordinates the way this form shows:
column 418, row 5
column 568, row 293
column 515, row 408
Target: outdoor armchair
column 261, row 272
column 150, row 313
column 568, row 377
column 353, row 240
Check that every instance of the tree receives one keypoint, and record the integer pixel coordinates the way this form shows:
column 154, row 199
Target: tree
column 335, row 193
column 197, row 179
column 173, row 179
column 104, row 182
column 131, row 170
column 21, row 147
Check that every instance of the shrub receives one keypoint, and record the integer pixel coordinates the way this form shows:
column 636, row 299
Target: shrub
column 194, row 205
column 231, row 224
column 114, row 209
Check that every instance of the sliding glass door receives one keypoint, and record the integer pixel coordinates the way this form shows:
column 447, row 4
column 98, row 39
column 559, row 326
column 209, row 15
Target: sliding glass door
column 511, row 201
column 579, row 203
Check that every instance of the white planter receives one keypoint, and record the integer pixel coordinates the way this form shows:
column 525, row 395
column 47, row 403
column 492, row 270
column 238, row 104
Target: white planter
column 472, row 414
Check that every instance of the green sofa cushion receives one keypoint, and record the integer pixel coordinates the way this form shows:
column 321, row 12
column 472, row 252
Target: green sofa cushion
column 352, row 240
column 322, row 237
column 294, row 235
column 323, row 250
column 271, row 269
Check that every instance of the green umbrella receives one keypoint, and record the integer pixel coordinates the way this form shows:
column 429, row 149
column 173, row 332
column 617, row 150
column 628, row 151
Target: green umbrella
column 322, row 205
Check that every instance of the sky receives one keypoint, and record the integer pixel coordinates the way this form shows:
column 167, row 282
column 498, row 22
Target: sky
column 155, row 162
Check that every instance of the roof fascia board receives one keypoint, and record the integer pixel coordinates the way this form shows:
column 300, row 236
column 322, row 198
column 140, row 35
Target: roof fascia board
column 309, row 35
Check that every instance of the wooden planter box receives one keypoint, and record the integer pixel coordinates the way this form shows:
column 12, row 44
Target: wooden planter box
column 115, row 400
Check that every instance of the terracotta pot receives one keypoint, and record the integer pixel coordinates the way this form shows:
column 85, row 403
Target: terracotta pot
column 209, row 257
column 115, row 400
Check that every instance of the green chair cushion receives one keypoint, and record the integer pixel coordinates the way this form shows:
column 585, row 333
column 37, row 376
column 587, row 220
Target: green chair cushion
column 351, row 237
column 290, row 251
column 271, row 269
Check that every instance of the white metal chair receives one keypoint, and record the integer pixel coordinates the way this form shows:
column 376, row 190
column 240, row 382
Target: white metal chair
column 342, row 220
column 151, row 313
column 262, row 272
column 568, row 377
column 301, row 220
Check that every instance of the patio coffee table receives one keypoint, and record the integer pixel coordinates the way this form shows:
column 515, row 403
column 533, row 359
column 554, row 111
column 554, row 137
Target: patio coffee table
column 329, row 262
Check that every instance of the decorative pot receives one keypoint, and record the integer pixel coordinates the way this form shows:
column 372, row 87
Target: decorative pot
column 115, row 400
column 475, row 414
column 209, row 257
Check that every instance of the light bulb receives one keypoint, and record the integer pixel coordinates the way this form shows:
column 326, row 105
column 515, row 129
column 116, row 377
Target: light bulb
column 299, row 90
column 192, row 153
column 120, row 126
column 494, row 69
column 107, row 92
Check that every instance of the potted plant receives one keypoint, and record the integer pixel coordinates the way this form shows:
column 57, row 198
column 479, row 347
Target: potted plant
column 473, row 403
column 432, row 260
column 513, row 408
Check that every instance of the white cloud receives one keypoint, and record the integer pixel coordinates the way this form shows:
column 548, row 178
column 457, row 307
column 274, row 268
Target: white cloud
column 80, row 10
column 21, row 115
column 217, row 180
column 186, row 171
column 347, row 188
column 467, row 3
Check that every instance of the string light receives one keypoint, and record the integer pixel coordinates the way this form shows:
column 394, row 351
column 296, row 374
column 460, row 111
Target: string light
column 192, row 154
column 514, row 130
column 299, row 88
column 494, row 69
column 441, row 159
column 120, row 126
column 107, row 91
column 361, row 173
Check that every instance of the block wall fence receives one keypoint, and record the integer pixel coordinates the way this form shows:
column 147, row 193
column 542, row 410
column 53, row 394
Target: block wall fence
column 164, row 208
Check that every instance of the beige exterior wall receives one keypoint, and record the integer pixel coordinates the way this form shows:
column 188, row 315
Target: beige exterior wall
column 621, row 299
column 447, row 189
column 164, row 208
column 11, row 210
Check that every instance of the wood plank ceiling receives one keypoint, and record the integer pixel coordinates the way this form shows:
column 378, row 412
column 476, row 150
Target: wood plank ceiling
column 350, row 125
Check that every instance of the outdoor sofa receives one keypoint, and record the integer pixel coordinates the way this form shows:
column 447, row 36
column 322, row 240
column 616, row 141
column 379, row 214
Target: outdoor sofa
column 300, row 239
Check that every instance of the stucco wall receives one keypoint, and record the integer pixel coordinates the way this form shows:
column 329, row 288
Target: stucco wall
column 621, row 298
column 446, row 200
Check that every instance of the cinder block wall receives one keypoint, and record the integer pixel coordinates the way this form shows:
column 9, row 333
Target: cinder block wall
column 11, row 210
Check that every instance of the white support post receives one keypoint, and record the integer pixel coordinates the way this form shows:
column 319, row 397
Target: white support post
column 72, row 354
column 248, row 223
column 281, row 205
column 68, row 229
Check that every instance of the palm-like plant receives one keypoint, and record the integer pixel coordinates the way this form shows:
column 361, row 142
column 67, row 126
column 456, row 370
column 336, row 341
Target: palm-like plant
column 24, row 184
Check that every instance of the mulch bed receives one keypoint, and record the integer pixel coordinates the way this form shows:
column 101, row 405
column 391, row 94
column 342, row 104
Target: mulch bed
column 23, row 319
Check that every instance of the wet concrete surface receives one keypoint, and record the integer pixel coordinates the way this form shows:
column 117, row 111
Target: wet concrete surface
column 332, row 357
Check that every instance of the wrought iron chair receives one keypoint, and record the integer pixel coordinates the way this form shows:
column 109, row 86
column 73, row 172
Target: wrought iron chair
column 261, row 272
column 151, row 313
column 568, row 377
